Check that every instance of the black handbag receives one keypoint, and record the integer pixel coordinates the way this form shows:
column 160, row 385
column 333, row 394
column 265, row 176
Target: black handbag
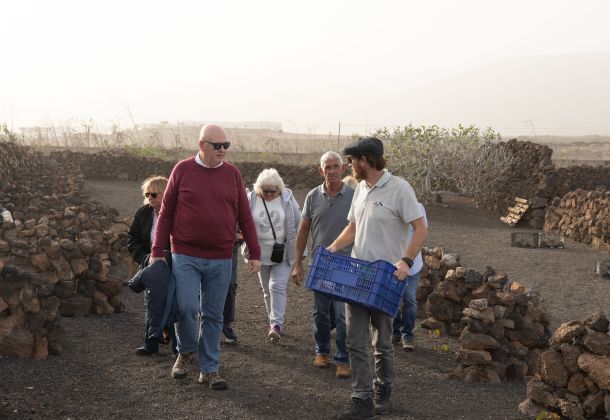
column 277, row 254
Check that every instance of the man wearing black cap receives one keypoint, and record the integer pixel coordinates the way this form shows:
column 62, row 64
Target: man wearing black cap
column 383, row 208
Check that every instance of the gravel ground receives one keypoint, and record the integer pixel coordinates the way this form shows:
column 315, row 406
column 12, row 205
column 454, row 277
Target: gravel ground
column 98, row 376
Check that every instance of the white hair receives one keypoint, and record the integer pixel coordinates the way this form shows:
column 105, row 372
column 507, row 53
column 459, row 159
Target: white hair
column 268, row 177
column 330, row 155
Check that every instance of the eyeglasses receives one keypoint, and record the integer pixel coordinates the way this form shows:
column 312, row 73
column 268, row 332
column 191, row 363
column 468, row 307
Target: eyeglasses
column 269, row 191
column 217, row 146
column 149, row 194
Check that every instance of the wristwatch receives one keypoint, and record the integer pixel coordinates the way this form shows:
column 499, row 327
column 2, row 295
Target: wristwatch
column 408, row 261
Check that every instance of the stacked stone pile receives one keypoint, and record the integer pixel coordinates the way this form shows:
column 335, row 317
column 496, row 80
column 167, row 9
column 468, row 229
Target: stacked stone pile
column 583, row 216
column 80, row 251
column 61, row 250
column 573, row 376
column 119, row 164
column 501, row 325
column 29, row 315
column 530, row 164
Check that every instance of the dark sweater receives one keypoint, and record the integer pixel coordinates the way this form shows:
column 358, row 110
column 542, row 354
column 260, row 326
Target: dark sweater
column 201, row 207
column 138, row 242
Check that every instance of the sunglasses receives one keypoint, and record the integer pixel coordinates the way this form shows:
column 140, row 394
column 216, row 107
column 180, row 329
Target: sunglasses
column 269, row 191
column 149, row 194
column 217, row 146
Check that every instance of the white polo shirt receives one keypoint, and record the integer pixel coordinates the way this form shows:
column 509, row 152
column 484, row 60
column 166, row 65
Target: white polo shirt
column 382, row 215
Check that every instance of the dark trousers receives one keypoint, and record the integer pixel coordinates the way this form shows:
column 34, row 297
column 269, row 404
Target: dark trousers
column 153, row 334
column 229, row 309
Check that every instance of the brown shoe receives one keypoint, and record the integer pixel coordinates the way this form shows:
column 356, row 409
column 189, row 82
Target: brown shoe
column 180, row 368
column 343, row 371
column 212, row 380
column 321, row 361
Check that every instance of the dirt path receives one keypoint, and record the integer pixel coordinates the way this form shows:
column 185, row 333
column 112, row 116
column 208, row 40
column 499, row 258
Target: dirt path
column 98, row 376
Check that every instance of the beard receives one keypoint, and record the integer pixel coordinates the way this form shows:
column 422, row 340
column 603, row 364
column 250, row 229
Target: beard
column 358, row 174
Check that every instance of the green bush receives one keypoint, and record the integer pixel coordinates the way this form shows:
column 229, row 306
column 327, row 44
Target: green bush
column 465, row 160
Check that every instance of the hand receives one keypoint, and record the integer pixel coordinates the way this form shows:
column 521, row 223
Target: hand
column 402, row 270
column 238, row 236
column 331, row 248
column 153, row 260
column 297, row 274
column 254, row 266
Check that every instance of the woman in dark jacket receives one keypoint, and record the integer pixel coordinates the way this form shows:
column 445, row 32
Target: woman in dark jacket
column 139, row 243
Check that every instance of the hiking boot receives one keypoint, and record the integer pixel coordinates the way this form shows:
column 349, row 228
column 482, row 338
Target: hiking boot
column 230, row 336
column 381, row 400
column 408, row 344
column 360, row 409
column 395, row 339
column 275, row 334
column 165, row 338
column 343, row 371
column 180, row 368
column 212, row 380
column 321, row 361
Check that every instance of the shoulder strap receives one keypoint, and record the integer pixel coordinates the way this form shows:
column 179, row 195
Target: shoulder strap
column 269, row 217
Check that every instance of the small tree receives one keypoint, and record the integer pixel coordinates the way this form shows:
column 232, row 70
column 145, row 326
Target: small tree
column 7, row 135
column 463, row 159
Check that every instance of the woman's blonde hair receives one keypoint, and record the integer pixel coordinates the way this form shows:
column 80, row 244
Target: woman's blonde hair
column 350, row 181
column 269, row 177
column 154, row 184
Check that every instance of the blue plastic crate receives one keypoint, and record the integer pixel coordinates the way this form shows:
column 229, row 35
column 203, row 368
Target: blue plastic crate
column 369, row 284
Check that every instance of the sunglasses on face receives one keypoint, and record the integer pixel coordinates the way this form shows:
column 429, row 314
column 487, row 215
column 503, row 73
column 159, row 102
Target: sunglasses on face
column 217, row 146
column 269, row 191
column 149, row 194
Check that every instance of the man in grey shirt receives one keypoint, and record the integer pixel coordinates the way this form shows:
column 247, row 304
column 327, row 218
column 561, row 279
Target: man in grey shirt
column 325, row 215
column 383, row 208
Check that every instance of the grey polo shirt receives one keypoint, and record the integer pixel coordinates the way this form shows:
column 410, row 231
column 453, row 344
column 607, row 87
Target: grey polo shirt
column 382, row 215
column 328, row 214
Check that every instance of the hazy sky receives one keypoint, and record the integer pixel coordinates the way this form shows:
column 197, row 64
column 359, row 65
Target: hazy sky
column 305, row 64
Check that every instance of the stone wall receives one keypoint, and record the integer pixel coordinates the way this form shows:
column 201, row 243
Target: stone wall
column 502, row 327
column 583, row 216
column 118, row 164
column 62, row 252
column 573, row 377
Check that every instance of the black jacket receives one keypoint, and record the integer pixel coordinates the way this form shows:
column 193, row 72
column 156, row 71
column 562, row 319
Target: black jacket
column 138, row 243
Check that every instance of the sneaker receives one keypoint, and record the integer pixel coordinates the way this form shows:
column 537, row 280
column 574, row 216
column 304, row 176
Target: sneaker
column 343, row 371
column 180, row 368
column 408, row 344
column 395, row 339
column 143, row 351
column 321, row 361
column 275, row 334
column 381, row 400
column 360, row 409
column 230, row 336
column 212, row 380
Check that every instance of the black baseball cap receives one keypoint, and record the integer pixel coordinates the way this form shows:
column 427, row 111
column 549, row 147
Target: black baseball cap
column 365, row 146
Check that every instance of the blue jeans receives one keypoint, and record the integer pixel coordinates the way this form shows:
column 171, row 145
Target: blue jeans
column 405, row 319
column 322, row 307
column 201, row 288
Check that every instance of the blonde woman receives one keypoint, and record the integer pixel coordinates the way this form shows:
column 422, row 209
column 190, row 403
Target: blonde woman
column 277, row 217
column 140, row 238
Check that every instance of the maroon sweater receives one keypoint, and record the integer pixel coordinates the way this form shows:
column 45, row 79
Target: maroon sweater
column 201, row 208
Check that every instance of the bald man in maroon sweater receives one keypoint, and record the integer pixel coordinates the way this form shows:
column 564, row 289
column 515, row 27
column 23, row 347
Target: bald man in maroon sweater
column 204, row 200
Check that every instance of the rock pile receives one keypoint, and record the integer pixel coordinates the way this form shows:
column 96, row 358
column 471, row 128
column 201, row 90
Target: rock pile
column 501, row 325
column 583, row 216
column 65, row 249
column 573, row 376
column 29, row 317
